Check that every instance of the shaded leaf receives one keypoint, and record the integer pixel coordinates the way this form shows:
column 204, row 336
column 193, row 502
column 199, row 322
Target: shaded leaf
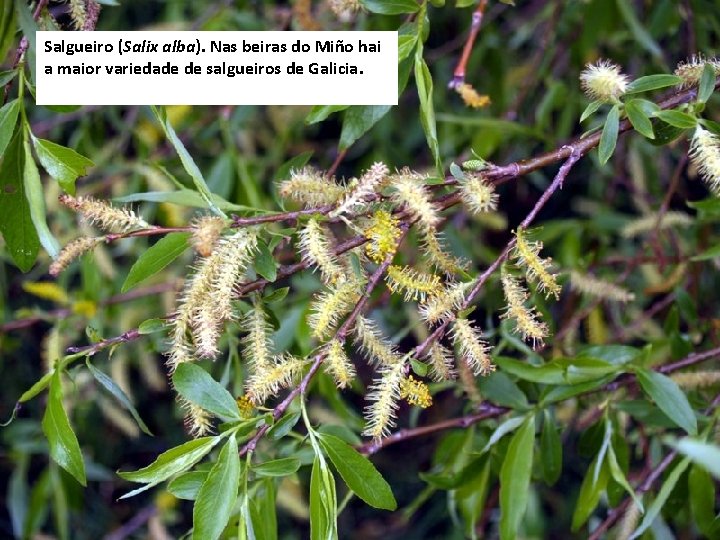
column 8, row 121
column 608, row 138
column 669, row 398
column 35, row 195
column 357, row 120
column 277, row 467
column 677, row 119
column 64, row 447
column 515, row 479
column 62, row 163
column 551, row 451
column 590, row 492
column 197, row 386
column 704, row 454
column 187, row 485
column 390, row 7
column 639, row 119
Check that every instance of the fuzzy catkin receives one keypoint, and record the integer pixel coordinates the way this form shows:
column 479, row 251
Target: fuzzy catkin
column 103, row 215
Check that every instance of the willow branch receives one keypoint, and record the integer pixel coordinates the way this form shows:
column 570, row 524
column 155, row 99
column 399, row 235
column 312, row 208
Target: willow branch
column 476, row 21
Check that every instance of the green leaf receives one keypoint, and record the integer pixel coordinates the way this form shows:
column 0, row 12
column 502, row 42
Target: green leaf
column 277, row 467
column 508, row 426
column 357, row 120
column 668, row 397
column 609, row 136
column 358, row 472
column 265, row 263
column 515, row 479
column 151, row 326
column 550, row 450
column 35, row 195
column 504, row 127
column 170, row 463
column 283, row 426
column 8, row 75
column 704, row 454
column 188, row 163
column 390, row 7
column 197, row 386
column 701, row 490
column 498, row 388
column 187, row 485
column 590, row 492
column 262, row 511
column 323, row 502
column 118, row 394
column 547, row 374
column 63, row 164
column 156, row 258
column 424, row 82
column 591, row 109
column 652, row 82
column 661, row 498
column 665, row 133
column 406, row 43
column 706, row 86
column 297, row 162
column 64, row 447
column 320, row 112
column 8, row 120
column 639, row 119
column 217, row 496
column 711, row 253
column 677, row 119
column 184, row 197
column 619, row 476
column 277, row 295
column 16, row 226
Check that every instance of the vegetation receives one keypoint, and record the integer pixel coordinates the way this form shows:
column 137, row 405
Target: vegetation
column 489, row 311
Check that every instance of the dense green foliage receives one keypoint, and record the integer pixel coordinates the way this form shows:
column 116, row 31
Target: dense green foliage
column 566, row 206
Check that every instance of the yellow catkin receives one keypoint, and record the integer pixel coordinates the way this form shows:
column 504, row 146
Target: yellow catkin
column 415, row 392
column 338, row 365
column 72, row 251
column 472, row 348
column 409, row 190
column 478, row 196
column 415, row 285
column 525, row 319
column 257, row 345
column 705, row 155
column 316, row 248
column 628, row 523
column 596, row 327
column 670, row 220
column 311, row 188
column 368, row 185
column 383, row 400
column 197, row 420
column 245, row 406
column 345, row 10
column 283, row 372
column 598, row 288
column 77, row 13
column 302, row 10
column 435, row 251
column 206, row 232
column 470, row 96
column 329, row 306
column 442, row 305
column 690, row 71
column 527, row 256
column 383, row 233
column 104, row 215
column 373, row 345
column 442, row 365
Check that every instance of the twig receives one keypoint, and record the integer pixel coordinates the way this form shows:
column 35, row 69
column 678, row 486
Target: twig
column 137, row 521
column 459, row 73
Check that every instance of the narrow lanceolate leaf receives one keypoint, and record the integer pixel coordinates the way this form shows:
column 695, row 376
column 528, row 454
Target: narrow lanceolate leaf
column 216, row 498
column 357, row 120
column 323, row 502
column 661, row 498
column 701, row 490
column 668, row 397
column 8, row 120
column 188, row 163
column 639, row 119
column 155, row 258
column 551, row 450
column 609, row 136
column 591, row 109
column 619, row 476
column 197, row 386
column 652, row 82
column 187, row 485
column 390, row 7
column 118, row 394
column 424, row 82
column 704, row 454
column 16, row 226
column 169, row 463
column 277, row 467
column 35, row 195
column 64, row 447
column 590, row 492
column 706, row 86
column 62, row 163
column 677, row 119
column 515, row 478
column 358, row 472
column 262, row 511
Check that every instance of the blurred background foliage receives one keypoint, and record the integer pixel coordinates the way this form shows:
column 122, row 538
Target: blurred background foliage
column 527, row 60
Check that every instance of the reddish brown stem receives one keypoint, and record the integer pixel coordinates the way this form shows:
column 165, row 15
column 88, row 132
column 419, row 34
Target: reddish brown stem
column 459, row 73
